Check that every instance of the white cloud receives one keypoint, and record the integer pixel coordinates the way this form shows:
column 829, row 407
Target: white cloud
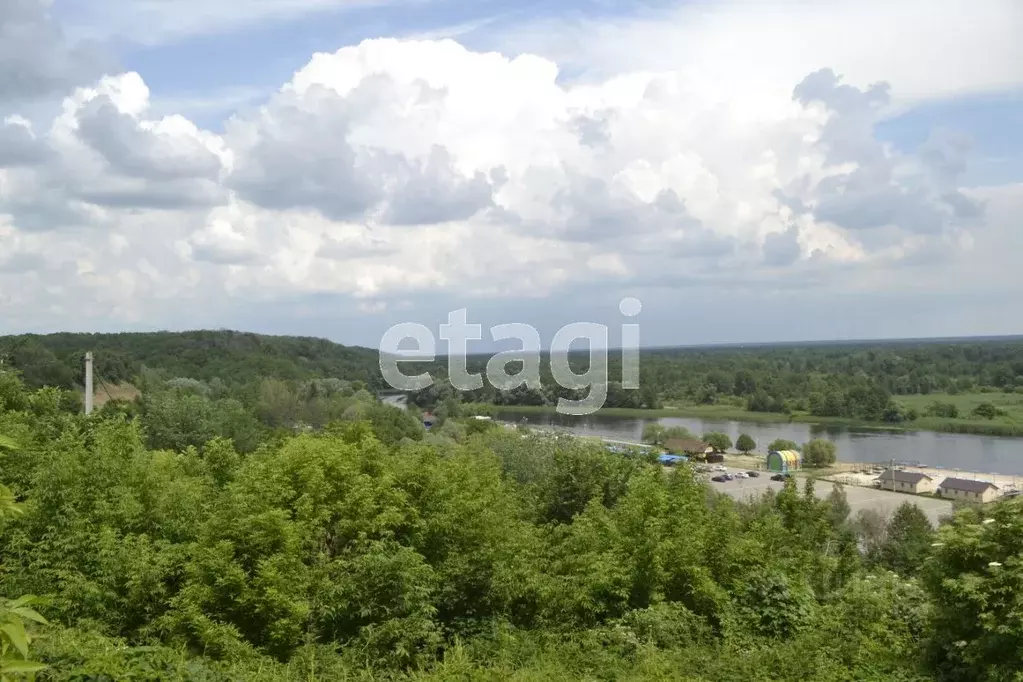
column 397, row 169
column 35, row 58
column 925, row 49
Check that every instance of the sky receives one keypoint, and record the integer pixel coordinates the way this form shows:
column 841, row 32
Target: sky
column 777, row 170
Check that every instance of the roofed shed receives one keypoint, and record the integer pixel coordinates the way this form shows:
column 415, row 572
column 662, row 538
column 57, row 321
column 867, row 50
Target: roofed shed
column 967, row 490
column 906, row 481
column 687, row 446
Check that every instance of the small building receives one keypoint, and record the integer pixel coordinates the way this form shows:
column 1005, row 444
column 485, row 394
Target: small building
column 784, row 461
column 967, row 490
column 906, row 482
column 715, row 458
column 688, row 446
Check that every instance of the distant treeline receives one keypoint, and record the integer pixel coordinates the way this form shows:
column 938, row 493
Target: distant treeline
column 858, row 381
column 850, row 381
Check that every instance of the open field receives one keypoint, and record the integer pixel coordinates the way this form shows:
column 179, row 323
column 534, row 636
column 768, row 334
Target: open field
column 883, row 501
column 1009, row 423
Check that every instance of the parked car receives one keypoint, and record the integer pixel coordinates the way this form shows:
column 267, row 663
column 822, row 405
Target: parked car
column 719, row 479
column 719, row 467
column 727, row 477
column 752, row 474
column 740, row 474
column 779, row 477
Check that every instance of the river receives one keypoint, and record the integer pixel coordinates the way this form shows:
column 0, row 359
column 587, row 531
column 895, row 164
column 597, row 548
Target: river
column 987, row 454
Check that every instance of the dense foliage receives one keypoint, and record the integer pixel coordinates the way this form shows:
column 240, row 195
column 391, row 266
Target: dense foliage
column 367, row 550
column 233, row 357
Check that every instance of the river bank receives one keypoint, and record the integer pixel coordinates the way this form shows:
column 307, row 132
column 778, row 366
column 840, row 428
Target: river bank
column 738, row 414
column 927, row 448
column 851, row 473
column 859, row 474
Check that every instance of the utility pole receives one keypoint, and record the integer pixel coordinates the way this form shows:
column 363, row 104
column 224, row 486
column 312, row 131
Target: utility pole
column 88, row 383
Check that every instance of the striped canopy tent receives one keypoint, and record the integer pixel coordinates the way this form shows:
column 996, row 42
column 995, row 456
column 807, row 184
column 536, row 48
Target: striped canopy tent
column 783, row 460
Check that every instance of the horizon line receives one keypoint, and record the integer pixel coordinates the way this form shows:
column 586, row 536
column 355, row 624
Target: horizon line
column 656, row 348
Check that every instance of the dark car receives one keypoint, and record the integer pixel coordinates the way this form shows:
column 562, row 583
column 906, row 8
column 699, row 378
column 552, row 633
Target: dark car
column 728, row 477
column 719, row 479
column 752, row 474
column 779, row 477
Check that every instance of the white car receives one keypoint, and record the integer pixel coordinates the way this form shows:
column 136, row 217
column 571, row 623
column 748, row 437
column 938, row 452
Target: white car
column 740, row 474
column 719, row 468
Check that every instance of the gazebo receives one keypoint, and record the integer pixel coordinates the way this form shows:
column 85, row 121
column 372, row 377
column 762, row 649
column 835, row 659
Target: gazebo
column 784, row 461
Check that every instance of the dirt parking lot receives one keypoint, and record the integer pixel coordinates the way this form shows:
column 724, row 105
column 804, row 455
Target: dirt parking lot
column 859, row 498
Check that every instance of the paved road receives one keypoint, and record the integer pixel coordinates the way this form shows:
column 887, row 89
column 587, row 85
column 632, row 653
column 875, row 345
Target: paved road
column 884, row 501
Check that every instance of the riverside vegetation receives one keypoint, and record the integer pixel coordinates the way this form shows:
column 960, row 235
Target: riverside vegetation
column 196, row 535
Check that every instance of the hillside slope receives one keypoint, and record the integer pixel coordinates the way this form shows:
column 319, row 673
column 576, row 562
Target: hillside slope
column 56, row 359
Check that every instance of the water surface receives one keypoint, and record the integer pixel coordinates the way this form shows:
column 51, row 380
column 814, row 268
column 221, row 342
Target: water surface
column 988, row 454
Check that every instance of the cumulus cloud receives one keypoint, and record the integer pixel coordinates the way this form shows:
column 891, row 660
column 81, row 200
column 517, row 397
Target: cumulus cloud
column 432, row 191
column 131, row 147
column 19, row 145
column 296, row 154
column 35, row 58
column 746, row 49
column 393, row 169
column 105, row 153
column 867, row 187
column 782, row 248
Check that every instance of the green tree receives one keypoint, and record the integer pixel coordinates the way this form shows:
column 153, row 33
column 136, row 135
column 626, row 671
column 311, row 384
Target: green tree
column 940, row 409
column 278, row 405
column 653, row 433
column 745, row 444
column 973, row 581
column 453, row 430
column 819, row 452
column 679, row 432
column 780, row 444
column 986, row 411
column 871, row 528
column 908, row 539
column 474, row 426
column 391, row 424
column 175, row 420
column 15, row 637
column 719, row 441
column 838, row 506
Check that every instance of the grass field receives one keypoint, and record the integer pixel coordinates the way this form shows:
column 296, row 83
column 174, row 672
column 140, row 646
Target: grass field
column 1008, row 424
column 1011, row 403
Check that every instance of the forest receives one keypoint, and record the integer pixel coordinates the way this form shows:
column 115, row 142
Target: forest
column 965, row 386
column 196, row 535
